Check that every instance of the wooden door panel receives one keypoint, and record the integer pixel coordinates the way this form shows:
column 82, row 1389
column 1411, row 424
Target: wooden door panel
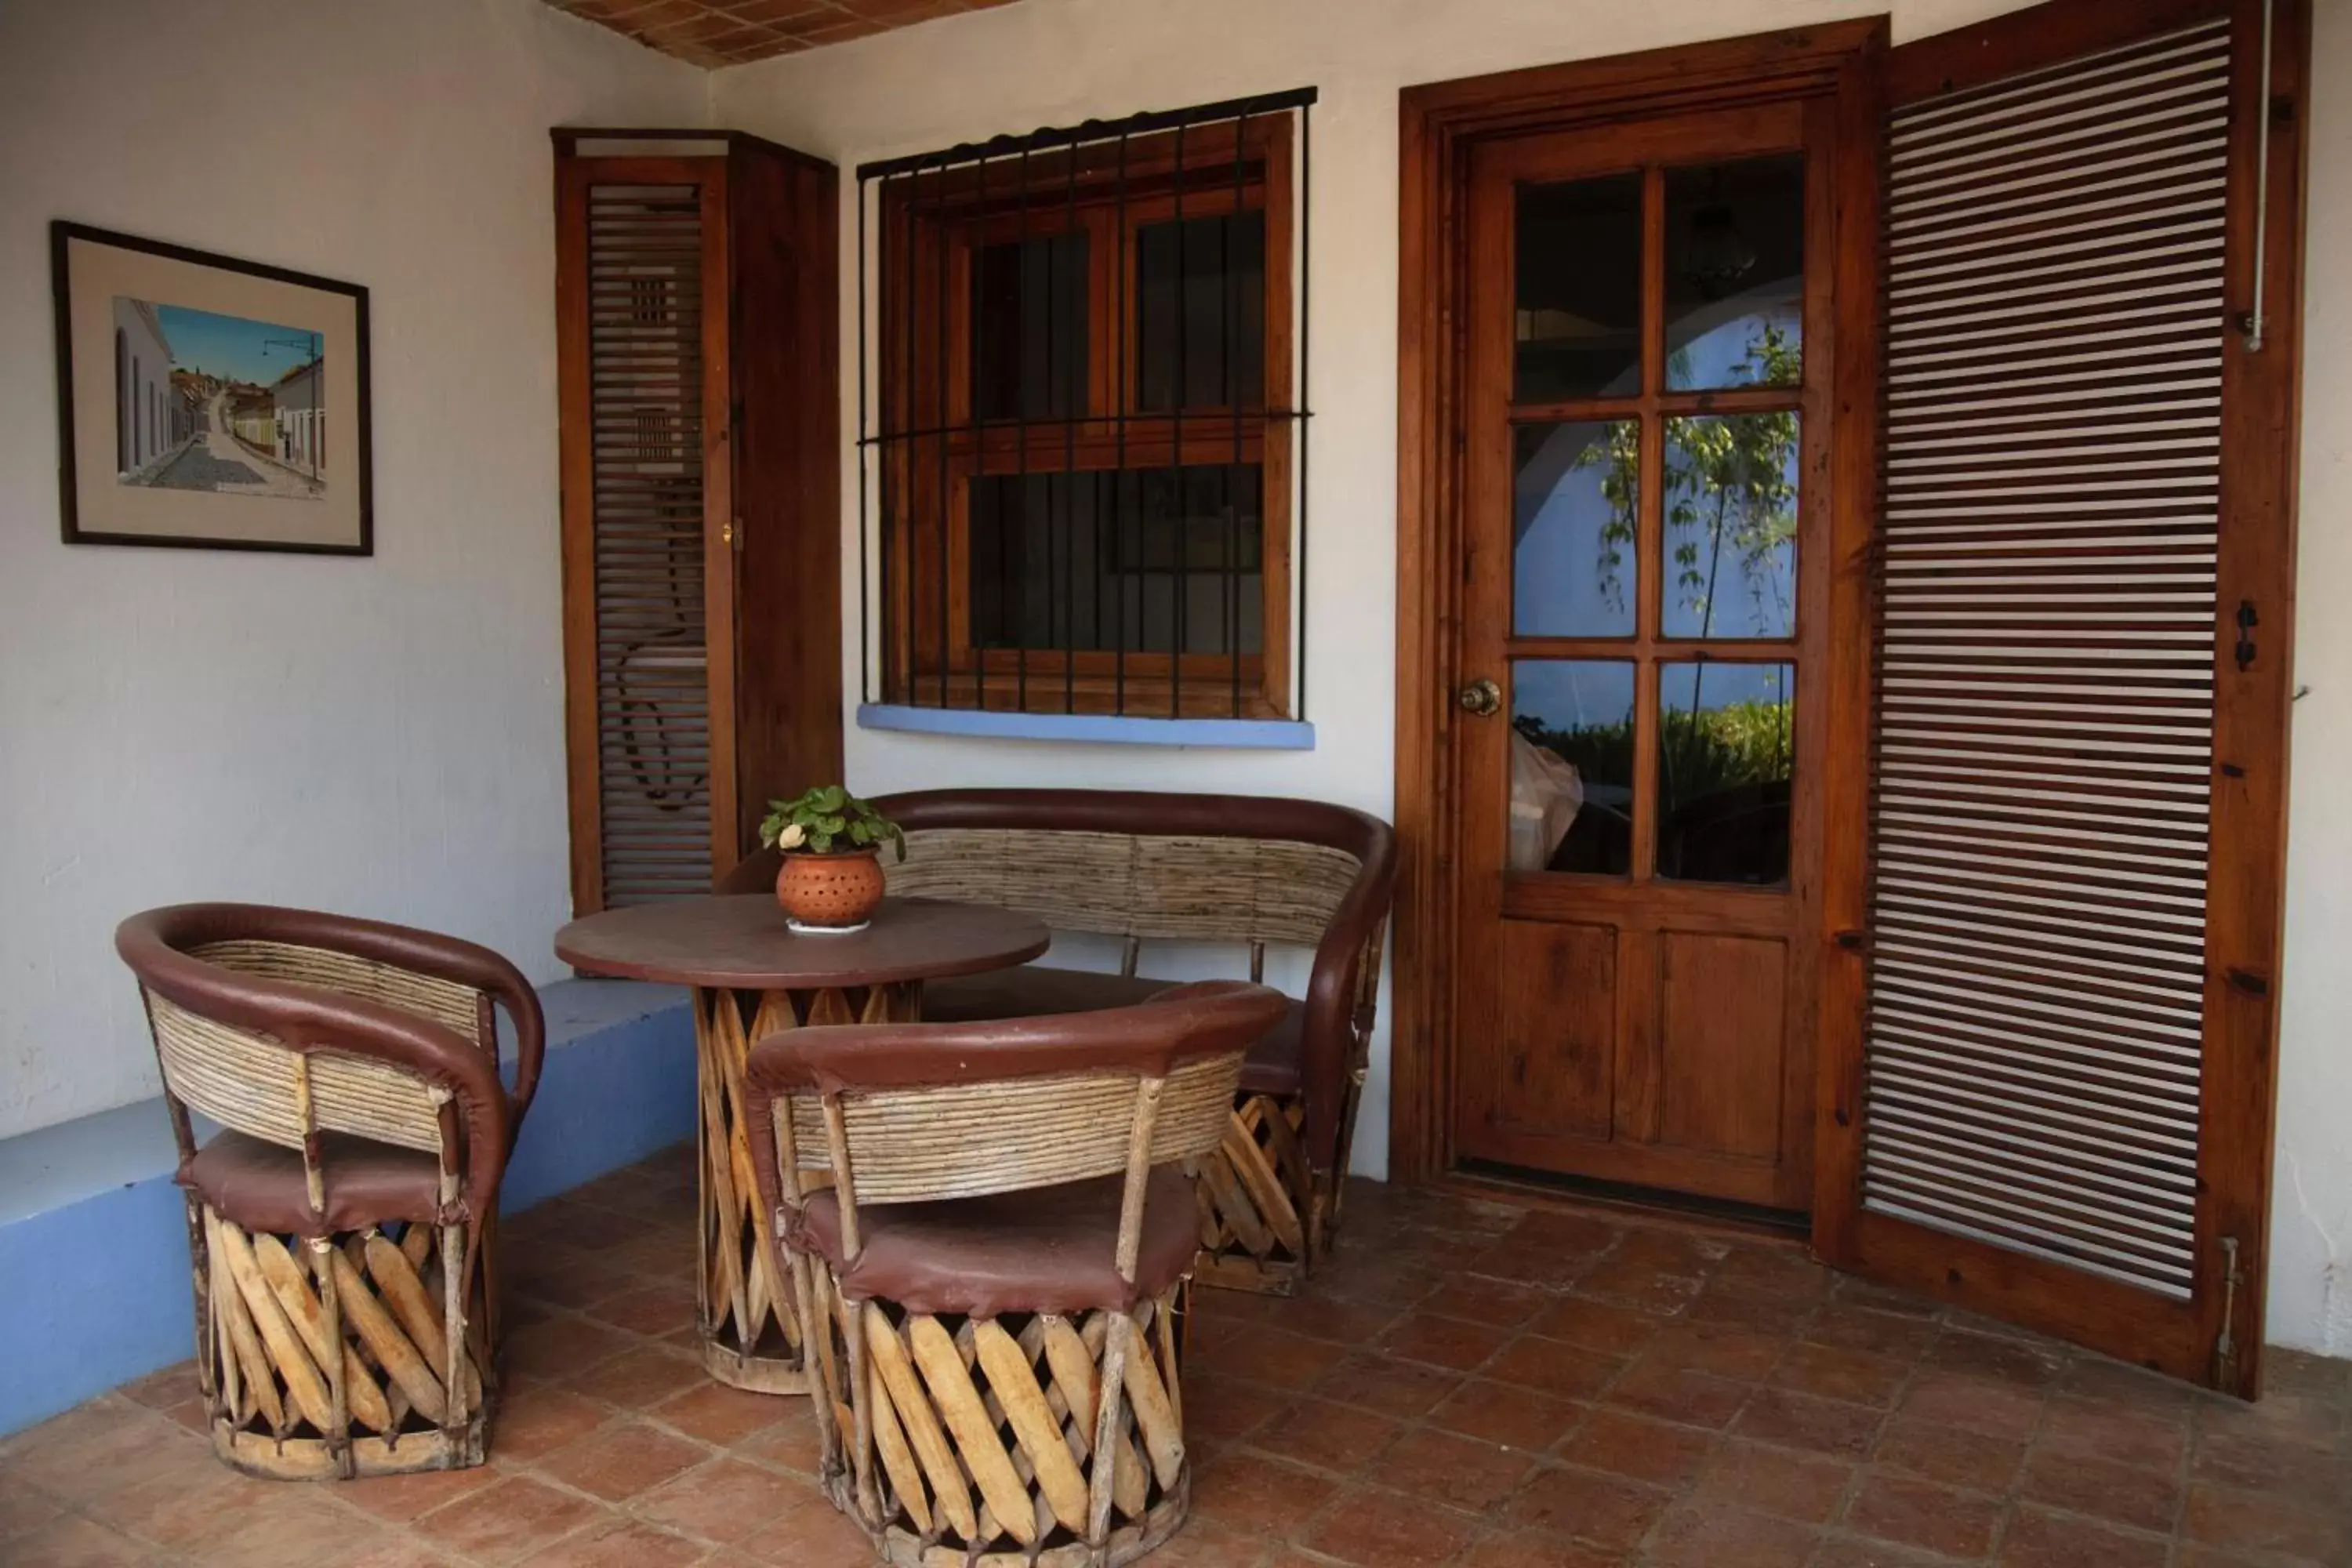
column 1722, row 1034
column 1554, row 1069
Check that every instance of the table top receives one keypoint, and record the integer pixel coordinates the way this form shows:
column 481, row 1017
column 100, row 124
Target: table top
column 741, row 941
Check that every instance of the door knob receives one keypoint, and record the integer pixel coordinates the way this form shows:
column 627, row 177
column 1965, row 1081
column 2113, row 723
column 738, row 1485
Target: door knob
column 1482, row 698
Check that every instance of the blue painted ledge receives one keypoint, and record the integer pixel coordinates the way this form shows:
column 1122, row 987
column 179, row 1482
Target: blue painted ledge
column 94, row 1237
column 1246, row 734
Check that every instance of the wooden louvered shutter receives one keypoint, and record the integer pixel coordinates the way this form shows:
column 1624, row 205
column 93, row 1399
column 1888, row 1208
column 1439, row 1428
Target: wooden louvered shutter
column 649, row 576
column 2056, row 1103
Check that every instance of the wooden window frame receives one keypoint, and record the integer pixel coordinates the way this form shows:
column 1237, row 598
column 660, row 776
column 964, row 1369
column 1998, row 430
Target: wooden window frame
column 930, row 226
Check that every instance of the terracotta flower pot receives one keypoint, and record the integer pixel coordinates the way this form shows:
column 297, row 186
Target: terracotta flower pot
column 834, row 892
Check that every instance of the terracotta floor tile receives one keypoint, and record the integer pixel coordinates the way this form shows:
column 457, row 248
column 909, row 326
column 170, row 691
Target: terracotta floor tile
column 1804, row 1487
column 1994, row 1409
column 1403, row 1389
column 2024, row 1363
column 1672, row 1250
column 1275, row 1358
column 621, row 1543
column 1952, row 1455
column 1500, row 1303
column 1630, row 1282
column 1634, row 1445
column 1867, row 1329
column 1560, row 1231
column 2102, row 1429
column 1461, row 1472
column 1452, row 1342
column 1861, row 1552
column 1832, row 1371
column 1350, row 1323
column 721, row 1501
column 1535, row 1549
column 560, row 1349
column 161, row 1390
column 1374, row 1529
column 94, row 1451
column 2119, row 1494
column 1329, row 1435
column 2315, row 1530
column 656, row 1309
column 622, row 1461
column 813, row 1535
column 1671, row 1394
column 2038, row 1539
column 2096, row 1377
column 1784, row 1315
column 716, row 1414
column 293, row 1525
column 182, row 1499
column 24, row 1507
column 1597, row 1326
column 1700, row 1537
column 1229, row 1407
column 402, row 1498
column 1609, row 1512
column 1800, row 1421
column 533, row 1422
column 1773, row 1271
column 1553, row 1367
column 72, row 1542
column 2265, row 1461
column 1206, row 1543
column 1726, row 1349
column 1506, row 1414
column 1911, row 1512
column 1251, row 1492
column 792, row 1442
column 508, row 1521
column 642, row 1377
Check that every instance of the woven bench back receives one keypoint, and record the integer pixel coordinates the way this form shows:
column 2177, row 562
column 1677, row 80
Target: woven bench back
column 967, row 1141
column 1146, row 885
column 249, row 1082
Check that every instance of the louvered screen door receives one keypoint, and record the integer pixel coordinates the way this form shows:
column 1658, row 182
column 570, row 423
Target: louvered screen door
column 647, row 563
column 2057, row 1104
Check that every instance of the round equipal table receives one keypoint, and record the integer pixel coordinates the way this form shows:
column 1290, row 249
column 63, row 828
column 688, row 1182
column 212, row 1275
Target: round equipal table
column 752, row 977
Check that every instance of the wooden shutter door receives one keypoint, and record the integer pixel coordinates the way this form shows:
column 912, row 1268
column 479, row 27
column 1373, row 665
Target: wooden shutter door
column 647, row 576
column 2055, row 1102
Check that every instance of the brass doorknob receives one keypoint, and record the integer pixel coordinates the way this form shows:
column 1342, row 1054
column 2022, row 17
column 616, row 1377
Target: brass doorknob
column 1482, row 698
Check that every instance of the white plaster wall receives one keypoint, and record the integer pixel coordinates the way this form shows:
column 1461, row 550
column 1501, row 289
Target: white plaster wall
column 1050, row 62
column 382, row 737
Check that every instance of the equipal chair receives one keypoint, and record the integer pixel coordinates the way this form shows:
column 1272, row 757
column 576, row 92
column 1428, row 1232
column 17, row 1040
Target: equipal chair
column 993, row 1224
column 340, row 1222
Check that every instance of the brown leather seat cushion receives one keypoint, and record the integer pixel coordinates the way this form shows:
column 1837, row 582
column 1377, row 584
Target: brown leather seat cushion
column 259, row 1186
column 1037, row 990
column 1046, row 1249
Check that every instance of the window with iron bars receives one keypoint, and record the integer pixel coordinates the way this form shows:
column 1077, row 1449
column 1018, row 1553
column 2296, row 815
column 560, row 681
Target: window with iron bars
column 1082, row 389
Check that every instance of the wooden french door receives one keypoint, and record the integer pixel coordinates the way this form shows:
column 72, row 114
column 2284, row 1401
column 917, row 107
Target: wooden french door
column 2048, row 1084
column 1645, row 637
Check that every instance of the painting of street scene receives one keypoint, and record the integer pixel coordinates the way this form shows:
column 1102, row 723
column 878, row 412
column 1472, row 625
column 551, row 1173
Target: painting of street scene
column 208, row 401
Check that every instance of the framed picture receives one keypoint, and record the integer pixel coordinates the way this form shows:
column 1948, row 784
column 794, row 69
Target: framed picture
column 207, row 402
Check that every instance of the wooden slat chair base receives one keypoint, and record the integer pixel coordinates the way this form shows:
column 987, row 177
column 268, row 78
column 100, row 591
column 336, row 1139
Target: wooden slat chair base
column 960, row 1425
column 341, row 1223
column 336, row 1356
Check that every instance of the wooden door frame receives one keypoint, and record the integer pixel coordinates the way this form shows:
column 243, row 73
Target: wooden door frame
column 1440, row 122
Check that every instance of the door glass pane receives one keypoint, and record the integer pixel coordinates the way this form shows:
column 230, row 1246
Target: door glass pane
column 1571, row 801
column 1726, row 742
column 1580, row 290
column 1730, row 526
column 1572, row 510
column 1200, row 312
column 1029, row 328
column 1735, row 273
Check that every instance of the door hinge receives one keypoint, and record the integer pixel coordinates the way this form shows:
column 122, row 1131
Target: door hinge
column 2247, row 622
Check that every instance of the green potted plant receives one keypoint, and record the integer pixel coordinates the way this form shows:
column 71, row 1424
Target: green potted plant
column 831, row 880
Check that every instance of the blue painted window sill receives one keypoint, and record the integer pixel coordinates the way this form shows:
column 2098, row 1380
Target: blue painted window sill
column 1251, row 735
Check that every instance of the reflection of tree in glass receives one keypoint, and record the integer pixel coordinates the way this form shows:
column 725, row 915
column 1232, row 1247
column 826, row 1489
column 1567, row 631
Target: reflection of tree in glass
column 1730, row 479
column 1738, row 743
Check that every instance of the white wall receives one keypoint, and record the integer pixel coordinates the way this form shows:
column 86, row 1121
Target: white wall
column 1059, row 61
column 381, row 737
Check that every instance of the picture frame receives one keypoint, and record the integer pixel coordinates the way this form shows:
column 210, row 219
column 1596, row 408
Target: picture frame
column 201, row 399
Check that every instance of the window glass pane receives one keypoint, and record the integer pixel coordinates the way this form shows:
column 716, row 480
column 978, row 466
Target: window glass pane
column 1726, row 741
column 1200, row 312
column 1730, row 526
column 1571, row 766
column 1029, row 328
column 1100, row 561
column 1573, row 556
column 1735, row 273
column 1580, row 290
